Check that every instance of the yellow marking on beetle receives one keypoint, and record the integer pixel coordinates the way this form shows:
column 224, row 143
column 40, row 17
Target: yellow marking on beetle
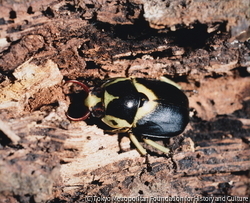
column 115, row 122
column 113, row 81
column 92, row 100
column 108, row 98
column 148, row 106
column 171, row 82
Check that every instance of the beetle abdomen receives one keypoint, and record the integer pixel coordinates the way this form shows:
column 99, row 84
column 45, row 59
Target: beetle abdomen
column 165, row 121
column 170, row 114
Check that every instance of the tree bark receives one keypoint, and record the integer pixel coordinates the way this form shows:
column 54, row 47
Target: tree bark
column 202, row 45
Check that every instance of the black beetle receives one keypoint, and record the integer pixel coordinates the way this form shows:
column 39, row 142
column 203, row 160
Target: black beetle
column 140, row 107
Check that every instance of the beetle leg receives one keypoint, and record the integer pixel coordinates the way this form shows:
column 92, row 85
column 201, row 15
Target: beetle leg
column 157, row 146
column 119, row 130
column 137, row 144
column 171, row 82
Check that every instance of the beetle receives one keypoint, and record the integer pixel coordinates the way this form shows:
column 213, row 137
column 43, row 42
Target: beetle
column 144, row 108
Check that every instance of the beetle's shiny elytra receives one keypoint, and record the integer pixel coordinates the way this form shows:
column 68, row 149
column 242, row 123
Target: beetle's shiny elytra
column 141, row 107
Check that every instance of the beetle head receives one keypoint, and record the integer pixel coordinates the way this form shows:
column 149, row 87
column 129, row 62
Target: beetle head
column 84, row 109
column 94, row 102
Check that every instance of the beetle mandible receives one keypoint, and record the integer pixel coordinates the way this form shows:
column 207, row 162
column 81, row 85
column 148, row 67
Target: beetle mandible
column 141, row 107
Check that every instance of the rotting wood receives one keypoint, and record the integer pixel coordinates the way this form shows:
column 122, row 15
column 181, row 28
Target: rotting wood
column 88, row 156
column 9, row 133
column 92, row 40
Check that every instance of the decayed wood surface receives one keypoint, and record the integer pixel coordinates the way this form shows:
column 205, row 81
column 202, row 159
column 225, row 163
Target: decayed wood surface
column 45, row 157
